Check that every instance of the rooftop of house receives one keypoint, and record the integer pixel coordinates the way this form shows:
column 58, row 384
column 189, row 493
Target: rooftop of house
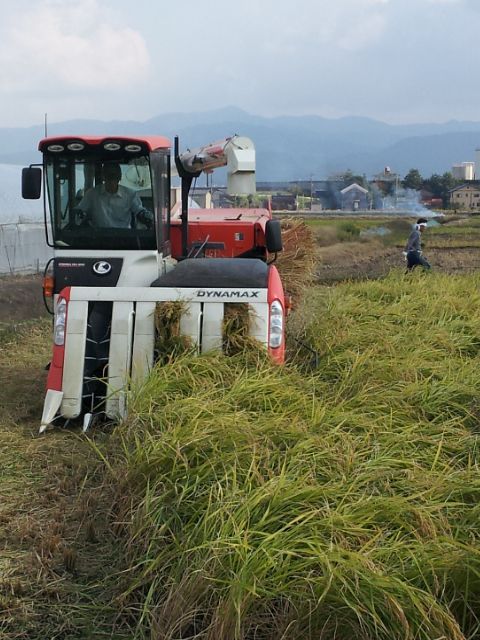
column 354, row 187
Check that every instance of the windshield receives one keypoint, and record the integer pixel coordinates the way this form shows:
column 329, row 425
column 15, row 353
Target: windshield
column 101, row 203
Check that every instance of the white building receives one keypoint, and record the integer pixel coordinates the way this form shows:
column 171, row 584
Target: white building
column 464, row 170
column 477, row 164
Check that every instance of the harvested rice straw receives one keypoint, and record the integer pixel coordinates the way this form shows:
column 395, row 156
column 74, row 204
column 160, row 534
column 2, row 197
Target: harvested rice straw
column 168, row 340
column 236, row 329
column 296, row 263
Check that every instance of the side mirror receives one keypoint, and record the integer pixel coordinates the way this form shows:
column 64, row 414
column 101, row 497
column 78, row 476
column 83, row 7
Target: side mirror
column 273, row 236
column 31, row 183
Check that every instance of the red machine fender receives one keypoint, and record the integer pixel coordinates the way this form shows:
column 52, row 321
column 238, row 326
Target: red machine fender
column 55, row 373
column 275, row 293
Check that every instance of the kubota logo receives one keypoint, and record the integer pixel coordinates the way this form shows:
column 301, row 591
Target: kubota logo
column 101, row 268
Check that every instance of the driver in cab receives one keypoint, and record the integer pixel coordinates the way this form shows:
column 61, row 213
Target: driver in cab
column 110, row 204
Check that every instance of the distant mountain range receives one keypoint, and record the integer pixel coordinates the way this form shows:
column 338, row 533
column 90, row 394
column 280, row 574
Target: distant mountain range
column 288, row 147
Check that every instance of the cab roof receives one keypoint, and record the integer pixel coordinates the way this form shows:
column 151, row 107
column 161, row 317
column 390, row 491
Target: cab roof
column 150, row 142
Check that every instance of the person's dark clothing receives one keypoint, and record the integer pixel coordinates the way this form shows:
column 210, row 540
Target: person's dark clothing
column 414, row 242
column 415, row 258
column 414, row 251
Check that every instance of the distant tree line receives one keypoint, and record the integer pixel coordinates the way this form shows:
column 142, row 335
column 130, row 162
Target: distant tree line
column 438, row 185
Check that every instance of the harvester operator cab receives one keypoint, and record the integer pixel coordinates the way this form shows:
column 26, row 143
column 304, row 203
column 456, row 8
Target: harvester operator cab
column 104, row 194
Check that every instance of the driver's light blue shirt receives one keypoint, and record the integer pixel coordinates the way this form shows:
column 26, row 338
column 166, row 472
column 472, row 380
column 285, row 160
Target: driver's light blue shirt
column 106, row 209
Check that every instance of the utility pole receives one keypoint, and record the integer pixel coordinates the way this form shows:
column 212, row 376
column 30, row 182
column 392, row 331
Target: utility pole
column 311, row 191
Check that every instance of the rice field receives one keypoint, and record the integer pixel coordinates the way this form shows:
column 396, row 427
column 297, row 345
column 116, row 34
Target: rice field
column 264, row 502
column 245, row 501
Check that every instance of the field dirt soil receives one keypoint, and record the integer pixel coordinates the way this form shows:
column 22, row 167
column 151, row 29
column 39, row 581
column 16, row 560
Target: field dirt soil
column 21, row 298
column 357, row 260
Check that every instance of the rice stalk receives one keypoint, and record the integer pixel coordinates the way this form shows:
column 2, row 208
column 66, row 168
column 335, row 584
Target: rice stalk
column 169, row 342
column 296, row 263
column 260, row 502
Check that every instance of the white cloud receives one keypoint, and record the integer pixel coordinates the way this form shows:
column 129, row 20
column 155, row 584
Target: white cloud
column 354, row 25
column 363, row 33
column 318, row 25
column 89, row 58
column 73, row 44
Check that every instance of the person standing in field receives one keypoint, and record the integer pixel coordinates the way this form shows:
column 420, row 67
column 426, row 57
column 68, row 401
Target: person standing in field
column 413, row 248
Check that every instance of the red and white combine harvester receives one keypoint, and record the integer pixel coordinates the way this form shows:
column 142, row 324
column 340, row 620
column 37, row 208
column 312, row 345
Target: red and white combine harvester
column 108, row 277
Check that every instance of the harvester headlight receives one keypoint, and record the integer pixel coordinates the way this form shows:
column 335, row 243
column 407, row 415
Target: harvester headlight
column 59, row 324
column 276, row 324
column 56, row 148
column 76, row 146
column 133, row 148
column 112, row 146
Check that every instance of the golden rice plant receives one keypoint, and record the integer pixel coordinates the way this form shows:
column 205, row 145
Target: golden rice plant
column 261, row 502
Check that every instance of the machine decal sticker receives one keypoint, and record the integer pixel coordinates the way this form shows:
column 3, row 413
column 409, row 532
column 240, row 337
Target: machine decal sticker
column 227, row 294
column 68, row 265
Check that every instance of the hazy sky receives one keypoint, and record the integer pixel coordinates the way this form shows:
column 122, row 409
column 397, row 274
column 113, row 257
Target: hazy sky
column 395, row 60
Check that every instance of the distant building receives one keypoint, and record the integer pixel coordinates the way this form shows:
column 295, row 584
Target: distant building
column 464, row 171
column 283, row 202
column 328, row 193
column 323, row 196
column 466, row 197
column 385, row 187
column 477, row 164
column 354, row 198
column 429, row 200
column 199, row 199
